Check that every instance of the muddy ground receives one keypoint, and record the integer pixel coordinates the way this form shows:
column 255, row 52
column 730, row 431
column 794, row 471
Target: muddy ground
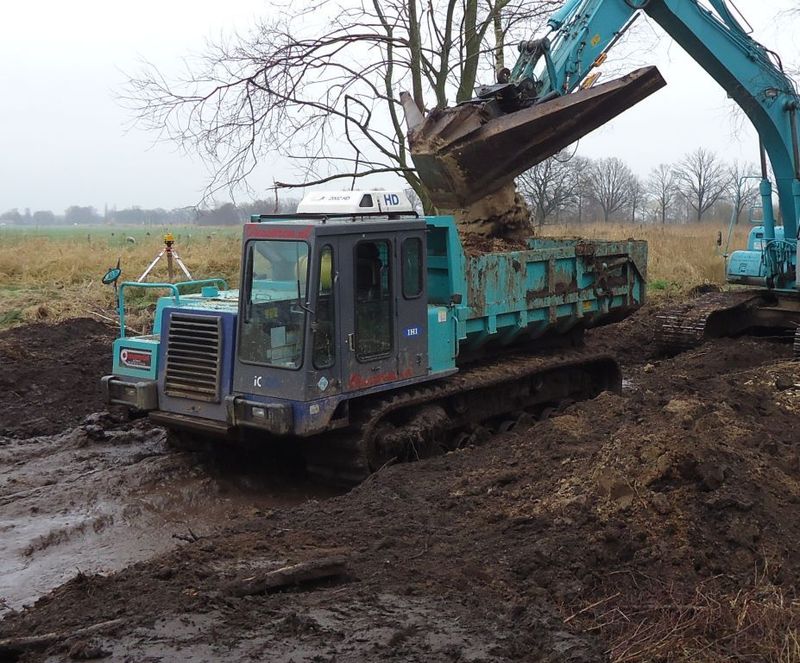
column 658, row 524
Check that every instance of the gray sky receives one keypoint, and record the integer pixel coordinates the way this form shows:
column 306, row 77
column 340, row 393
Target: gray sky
column 65, row 139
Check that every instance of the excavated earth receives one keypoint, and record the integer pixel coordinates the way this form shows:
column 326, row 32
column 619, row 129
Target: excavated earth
column 657, row 524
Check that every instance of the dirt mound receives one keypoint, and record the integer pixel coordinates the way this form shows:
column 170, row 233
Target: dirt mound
column 50, row 375
column 657, row 524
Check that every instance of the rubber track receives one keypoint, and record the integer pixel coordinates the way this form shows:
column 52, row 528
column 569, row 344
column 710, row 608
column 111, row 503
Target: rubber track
column 797, row 343
column 683, row 327
column 342, row 457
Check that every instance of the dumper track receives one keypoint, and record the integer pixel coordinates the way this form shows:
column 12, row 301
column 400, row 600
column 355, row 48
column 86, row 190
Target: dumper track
column 796, row 346
column 687, row 325
column 418, row 422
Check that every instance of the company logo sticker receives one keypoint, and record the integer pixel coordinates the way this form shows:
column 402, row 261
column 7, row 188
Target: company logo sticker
column 142, row 359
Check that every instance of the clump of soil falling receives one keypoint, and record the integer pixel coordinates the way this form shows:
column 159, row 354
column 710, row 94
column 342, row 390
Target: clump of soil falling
column 501, row 216
column 658, row 524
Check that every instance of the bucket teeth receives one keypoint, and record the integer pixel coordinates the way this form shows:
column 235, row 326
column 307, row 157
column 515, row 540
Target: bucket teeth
column 467, row 152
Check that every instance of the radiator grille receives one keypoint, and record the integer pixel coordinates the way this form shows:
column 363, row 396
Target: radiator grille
column 193, row 357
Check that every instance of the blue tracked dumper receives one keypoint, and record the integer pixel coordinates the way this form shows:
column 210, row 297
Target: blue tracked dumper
column 375, row 337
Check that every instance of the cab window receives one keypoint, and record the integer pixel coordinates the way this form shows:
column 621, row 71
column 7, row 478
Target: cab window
column 273, row 314
column 324, row 354
column 411, row 258
column 373, row 307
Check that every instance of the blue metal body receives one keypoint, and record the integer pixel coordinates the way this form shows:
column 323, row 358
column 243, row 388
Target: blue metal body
column 475, row 306
column 138, row 357
column 584, row 30
column 550, row 288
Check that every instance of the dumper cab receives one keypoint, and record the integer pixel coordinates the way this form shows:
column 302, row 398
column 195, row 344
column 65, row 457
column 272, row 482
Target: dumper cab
column 328, row 305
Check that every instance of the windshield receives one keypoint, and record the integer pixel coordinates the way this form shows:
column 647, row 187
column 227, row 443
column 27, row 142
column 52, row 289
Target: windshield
column 273, row 320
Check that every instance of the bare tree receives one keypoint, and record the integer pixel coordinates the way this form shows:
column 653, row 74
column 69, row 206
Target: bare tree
column 662, row 187
column 583, row 190
column 329, row 101
column 609, row 180
column 702, row 179
column 551, row 185
column 637, row 194
column 742, row 188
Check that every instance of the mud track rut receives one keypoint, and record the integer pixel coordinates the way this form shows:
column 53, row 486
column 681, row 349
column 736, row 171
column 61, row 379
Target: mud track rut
column 432, row 415
column 525, row 548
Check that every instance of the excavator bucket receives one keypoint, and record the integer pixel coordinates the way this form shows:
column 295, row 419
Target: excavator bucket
column 466, row 152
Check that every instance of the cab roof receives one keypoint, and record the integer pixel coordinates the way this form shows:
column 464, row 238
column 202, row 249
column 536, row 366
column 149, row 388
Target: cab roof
column 303, row 226
column 338, row 202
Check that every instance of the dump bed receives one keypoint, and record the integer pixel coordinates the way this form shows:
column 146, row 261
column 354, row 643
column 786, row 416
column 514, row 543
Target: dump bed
column 548, row 287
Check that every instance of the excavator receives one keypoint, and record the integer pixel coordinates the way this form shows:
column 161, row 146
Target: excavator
column 467, row 156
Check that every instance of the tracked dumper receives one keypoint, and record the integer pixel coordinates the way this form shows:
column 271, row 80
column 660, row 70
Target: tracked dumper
column 368, row 337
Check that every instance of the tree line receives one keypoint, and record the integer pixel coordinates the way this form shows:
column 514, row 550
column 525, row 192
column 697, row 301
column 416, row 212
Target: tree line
column 701, row 186
column 567, row 188
column 217, row 215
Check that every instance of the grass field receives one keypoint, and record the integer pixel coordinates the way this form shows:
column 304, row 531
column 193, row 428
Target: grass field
column 113, row 235
column 54, row 273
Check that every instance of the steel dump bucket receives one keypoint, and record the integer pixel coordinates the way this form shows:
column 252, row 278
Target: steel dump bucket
column 469, row 151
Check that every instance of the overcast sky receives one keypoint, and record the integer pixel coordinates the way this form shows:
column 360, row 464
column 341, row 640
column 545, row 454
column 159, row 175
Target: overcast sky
column 65, row 139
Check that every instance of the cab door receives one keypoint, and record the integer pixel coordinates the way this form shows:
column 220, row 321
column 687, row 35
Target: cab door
column 325, row 350
column 368, row 289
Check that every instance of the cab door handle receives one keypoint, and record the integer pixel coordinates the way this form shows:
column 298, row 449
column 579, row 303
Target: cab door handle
column 351, row 341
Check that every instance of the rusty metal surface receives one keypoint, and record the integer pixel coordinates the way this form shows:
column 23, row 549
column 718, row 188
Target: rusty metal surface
column 465, row 153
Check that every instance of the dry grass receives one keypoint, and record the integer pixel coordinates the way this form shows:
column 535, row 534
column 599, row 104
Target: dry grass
column 43, row 279
column 54, row 279
column 758, row 622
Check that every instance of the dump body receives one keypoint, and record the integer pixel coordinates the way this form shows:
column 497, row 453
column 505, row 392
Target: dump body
column 546, row 289
column 331, row 311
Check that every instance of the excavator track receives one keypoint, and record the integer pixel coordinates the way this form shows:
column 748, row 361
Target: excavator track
column 421, row 421
column 712, row 315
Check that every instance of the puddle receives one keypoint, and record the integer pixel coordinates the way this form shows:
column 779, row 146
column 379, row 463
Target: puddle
column 69, row 505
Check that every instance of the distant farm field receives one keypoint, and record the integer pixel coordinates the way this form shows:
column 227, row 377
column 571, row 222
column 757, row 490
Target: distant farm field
column 114, row 235
column 54, row 273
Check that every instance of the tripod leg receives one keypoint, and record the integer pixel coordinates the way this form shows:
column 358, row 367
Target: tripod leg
column 150, row 267
column 181, row 265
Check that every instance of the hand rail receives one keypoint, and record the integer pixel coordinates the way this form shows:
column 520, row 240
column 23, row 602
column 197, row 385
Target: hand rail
column 174, row 287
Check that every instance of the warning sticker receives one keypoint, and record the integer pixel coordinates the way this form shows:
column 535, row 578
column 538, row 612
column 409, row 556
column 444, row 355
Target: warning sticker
column 134, row 358
column 442, row 314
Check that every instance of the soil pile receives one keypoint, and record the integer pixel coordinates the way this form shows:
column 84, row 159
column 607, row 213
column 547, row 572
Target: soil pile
column 657, row 524
column 50, row 375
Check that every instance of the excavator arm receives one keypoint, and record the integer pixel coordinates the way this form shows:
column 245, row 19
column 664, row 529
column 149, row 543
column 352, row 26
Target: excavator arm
column 549, row 99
